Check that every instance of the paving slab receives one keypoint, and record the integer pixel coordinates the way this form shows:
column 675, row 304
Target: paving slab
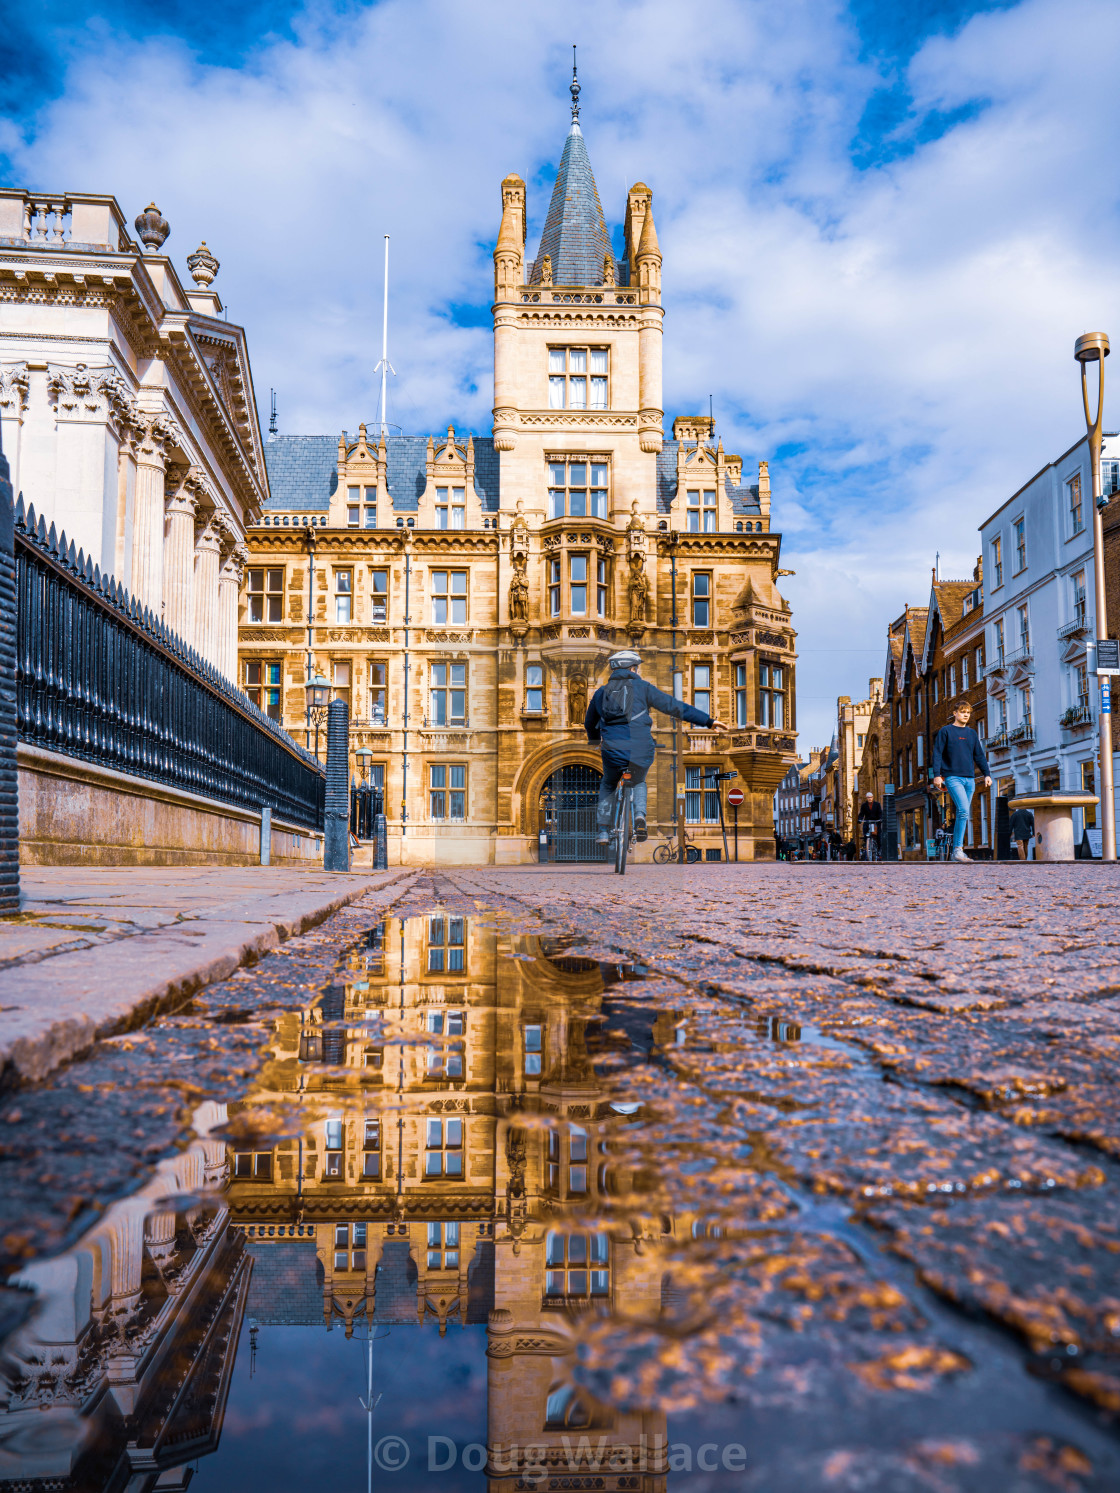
column 101, row 949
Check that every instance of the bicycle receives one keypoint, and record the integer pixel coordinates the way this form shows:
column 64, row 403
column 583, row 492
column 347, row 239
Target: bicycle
column 871, row 850
column 666, row 853
column 622, row 823
column 943, row 842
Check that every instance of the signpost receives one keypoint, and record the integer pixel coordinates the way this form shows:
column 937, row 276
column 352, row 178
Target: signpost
column 716, row 778
column 735, row 797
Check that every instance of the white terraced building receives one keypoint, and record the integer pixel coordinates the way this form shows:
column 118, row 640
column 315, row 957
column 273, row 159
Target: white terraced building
column 1040, row 614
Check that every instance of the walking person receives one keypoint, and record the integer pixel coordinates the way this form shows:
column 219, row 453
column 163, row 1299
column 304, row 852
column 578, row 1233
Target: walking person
column 957, row 755
column 1022, row 831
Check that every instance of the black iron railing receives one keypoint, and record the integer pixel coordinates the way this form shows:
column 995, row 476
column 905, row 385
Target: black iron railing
column 99, row 678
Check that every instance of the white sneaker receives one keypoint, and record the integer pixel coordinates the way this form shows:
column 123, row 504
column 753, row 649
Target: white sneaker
column 959, row 855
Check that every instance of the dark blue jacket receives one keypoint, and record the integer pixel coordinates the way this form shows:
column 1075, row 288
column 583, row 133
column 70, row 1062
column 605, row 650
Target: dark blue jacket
column 633, row 742
column 957, row 753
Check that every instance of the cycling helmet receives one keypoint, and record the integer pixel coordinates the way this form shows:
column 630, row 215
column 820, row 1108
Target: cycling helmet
column 626, row 658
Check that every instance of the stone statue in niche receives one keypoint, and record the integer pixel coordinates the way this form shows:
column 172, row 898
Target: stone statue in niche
column 519, row 597
column 519, row 535
column 577, row 699
column 638, row 589
column 635, row 532
column 546, row 270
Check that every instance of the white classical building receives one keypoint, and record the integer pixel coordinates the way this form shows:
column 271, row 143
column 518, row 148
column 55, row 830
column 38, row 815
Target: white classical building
column 126, row 407
column 1039, row 614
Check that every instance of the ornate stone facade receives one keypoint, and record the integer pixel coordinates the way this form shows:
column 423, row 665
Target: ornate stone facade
column 126, row 407
column 464, row 594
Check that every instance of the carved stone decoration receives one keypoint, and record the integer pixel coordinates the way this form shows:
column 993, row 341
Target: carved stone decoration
column 577, row 699
column 203, row 266
column 638, row 590
column 546, row 270
column 153, row 228
column 519, row 599
column 519, row 535
column 14, row 381
column 635, row 532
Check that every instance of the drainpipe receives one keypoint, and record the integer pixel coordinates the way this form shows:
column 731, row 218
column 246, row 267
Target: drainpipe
column 407, row 618
column 310, row 610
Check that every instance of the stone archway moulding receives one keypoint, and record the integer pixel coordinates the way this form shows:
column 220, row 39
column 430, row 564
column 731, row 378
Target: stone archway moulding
column 535, row 772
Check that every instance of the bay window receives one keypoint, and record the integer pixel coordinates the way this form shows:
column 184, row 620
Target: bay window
column 771, row 695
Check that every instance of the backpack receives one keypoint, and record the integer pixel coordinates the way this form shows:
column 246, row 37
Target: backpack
column 618, row 698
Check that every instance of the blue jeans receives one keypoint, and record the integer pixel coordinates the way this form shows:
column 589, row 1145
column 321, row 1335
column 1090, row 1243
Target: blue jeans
column 960, row 791
column 613, row 769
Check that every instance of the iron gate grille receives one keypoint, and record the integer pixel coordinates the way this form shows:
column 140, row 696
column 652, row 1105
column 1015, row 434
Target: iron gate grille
column 568, row 814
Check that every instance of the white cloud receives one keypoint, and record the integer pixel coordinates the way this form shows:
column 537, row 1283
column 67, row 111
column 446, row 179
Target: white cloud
column 907, row 328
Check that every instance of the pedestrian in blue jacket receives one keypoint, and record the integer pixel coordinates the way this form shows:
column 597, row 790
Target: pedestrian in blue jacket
column 957, row 754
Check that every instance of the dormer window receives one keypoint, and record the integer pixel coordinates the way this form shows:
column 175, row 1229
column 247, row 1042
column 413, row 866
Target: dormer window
column 701, row 511
column 451, row 510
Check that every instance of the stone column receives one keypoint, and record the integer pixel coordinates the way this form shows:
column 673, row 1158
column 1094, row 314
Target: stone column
column 229, row 586
column 207, row 559
column 147, row 522
column 178, row 562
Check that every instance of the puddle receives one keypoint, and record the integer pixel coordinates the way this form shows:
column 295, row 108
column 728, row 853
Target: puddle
column 486, row 1210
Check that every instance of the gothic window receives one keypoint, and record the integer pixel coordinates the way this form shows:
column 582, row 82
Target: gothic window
column 341, row 684
column 577, row 1265
column 702, row 687
column 262, row 685
column 371, row 1151
column 532, row 1038
column 701, row 511
column 343, row 595
column 578, row 378
column 534, row 689
column 451, row 511
column 771, row 695
column 701, row 598
column 447, row 944
column 740, row 694
column 445, row 1060
column 378, row 675
column 443, row 1246
column 443, row 1148
column 350, row 1246
column 577, row 488
column 266, row 595
column 447, row 798
column 379, row 596
column 449, row 596
column 447, row 695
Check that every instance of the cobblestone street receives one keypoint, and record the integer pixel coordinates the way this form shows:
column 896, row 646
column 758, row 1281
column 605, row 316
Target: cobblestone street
column 859, row 1129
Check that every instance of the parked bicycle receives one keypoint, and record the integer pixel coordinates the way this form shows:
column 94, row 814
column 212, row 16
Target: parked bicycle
column 665, row 853
column 942, row 843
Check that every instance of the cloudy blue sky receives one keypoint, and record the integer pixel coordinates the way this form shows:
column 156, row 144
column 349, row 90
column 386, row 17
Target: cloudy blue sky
column 884, row 222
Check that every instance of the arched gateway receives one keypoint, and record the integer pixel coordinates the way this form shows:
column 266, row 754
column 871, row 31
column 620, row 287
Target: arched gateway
column 567, row 813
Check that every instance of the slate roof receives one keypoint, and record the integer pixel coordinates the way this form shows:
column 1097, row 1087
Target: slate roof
column 575, row 231
column 744, row 499
column 303, row 472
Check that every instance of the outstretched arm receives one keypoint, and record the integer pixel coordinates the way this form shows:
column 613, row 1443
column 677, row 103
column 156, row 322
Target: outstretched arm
column 679, row 710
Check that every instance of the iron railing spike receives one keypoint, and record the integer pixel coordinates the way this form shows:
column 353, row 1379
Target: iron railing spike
column 41, row 530
column 80, row 562
column 52, row 539
column 20, row 514
column 72, row 556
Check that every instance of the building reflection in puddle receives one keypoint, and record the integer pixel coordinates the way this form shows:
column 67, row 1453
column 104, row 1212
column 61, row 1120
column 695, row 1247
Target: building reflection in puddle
column 427, row 1145
column 451, row 1169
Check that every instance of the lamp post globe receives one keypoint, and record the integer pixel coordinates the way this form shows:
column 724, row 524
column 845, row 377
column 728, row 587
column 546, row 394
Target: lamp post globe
column 317, row 689
column 1092, row 347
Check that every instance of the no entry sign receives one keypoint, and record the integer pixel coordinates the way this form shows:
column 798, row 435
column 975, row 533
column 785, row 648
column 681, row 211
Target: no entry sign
column 735, row 797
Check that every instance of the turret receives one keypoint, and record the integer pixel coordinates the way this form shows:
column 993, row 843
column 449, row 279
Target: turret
column 648, row 259
column 509, row 251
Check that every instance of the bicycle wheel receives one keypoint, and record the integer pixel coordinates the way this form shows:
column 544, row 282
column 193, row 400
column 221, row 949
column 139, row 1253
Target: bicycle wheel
column 622, row 843
column 691, row 854
column 664, row 854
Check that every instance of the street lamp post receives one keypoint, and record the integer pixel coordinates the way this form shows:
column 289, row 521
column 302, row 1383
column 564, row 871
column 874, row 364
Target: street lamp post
column 317, row 689
column 1092, row 347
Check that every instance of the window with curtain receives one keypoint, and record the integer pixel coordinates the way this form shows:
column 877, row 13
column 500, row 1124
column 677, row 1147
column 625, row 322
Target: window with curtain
column 451, row 509
column 578, row 378
column 577, row 487
column 701, row 510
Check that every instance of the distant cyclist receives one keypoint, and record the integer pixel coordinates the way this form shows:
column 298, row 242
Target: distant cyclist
column 618, row 721
column 870, row 818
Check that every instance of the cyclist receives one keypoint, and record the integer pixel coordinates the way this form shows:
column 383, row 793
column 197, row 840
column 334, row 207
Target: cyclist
column 870, row 818
column 618, row 721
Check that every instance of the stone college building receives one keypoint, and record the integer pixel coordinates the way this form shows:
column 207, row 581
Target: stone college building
column 463, row 593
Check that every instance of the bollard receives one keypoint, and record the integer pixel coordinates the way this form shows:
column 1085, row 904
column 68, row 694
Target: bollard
column 336, row 843
column 380, row 843
column 9, row 776
column 266, row 837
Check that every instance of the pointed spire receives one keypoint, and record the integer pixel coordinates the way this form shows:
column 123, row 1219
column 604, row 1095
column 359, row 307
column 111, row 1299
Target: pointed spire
column 575, row 240
column 647, row 244
column 574, row 90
